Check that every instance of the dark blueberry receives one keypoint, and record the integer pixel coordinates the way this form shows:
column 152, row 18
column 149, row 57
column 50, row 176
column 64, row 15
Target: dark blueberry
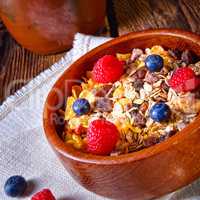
column 81, row 106
column 160, row 112
column 15, row 186
column 154, row 63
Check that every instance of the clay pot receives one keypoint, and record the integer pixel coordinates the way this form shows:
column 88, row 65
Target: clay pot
column 141, row 175
column 48, row 26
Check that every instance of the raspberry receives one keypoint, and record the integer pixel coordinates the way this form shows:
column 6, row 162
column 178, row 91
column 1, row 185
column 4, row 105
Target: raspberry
column 102, row 137
column 184, row 80
column 45, row 194
column 107, row 69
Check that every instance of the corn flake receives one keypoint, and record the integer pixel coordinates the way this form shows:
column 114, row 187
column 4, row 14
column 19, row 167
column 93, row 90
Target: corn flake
column 69, row 113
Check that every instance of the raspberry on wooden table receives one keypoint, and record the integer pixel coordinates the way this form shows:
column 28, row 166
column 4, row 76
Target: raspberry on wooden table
column 45, row 194
column 102, row 137
column 107, row 69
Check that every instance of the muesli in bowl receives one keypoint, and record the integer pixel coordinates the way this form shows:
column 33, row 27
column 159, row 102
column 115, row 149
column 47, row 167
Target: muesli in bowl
column 132, row 101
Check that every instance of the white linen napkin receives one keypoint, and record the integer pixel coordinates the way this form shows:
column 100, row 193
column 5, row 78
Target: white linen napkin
column 24, row 149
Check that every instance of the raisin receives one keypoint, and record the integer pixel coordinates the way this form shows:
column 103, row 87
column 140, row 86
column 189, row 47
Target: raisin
column 135, row 54
column 164, row 86
column 104, row 104
column 138, row 84
column 189, row 57
column 139, row 119
column 186, row 57
column 151, row 140
column 144, row 107
column 175, row 53
column 151, row 78
column 141, row 73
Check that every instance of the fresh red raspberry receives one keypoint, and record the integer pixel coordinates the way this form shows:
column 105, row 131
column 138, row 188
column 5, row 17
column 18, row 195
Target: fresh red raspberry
column 102, row 137
column 45, row 194
column 107, row 69
column 183, row 80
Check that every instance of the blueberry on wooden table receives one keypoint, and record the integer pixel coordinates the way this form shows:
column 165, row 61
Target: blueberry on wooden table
column 154, row 63
column 81, row 106
column 15, row 186
column 160, row 112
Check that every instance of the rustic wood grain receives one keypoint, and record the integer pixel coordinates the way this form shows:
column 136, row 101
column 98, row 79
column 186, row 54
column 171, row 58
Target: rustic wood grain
column 144, row 14
column 18, row 66
column 191, row 11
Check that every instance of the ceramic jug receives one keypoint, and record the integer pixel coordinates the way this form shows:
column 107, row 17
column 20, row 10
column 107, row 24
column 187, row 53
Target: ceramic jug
column 48, row 26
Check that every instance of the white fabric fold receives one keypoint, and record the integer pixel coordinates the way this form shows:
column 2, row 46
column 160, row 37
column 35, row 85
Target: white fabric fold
column 23, row 147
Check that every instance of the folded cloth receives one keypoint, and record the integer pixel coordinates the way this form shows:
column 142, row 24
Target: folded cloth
column 23, row 147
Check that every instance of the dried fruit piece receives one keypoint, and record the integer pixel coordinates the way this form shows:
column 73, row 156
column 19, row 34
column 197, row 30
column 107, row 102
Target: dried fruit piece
column 151, row 140
column 101, row 91
column 151, row 78
column 139, row 119
column 186, row 57
column 76, row 90
column 175, row 53
column 103, row 104
column 138, row 84
column 135, row 54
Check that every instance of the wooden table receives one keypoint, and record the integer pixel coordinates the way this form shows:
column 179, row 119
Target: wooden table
column 18, row 66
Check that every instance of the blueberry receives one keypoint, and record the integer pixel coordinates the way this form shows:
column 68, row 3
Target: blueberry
column 81, row 106
column 15, row 186
column 160, row 112
column 154, row 63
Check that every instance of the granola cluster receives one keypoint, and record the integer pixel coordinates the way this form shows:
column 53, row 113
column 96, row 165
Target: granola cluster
column 127, row 102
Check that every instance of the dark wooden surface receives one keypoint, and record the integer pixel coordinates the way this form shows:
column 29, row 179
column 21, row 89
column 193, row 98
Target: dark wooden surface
column 18, row 66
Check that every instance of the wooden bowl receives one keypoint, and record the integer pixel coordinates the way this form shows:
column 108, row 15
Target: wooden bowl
column 145, row 174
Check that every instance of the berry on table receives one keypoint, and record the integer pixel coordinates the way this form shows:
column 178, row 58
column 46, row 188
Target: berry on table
column 160, row 112
column 154, row 63
column 102, row 137
column 45, row 194
column 107, row 69
column 81, row 106
column 15, row 186
column 183, row 80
